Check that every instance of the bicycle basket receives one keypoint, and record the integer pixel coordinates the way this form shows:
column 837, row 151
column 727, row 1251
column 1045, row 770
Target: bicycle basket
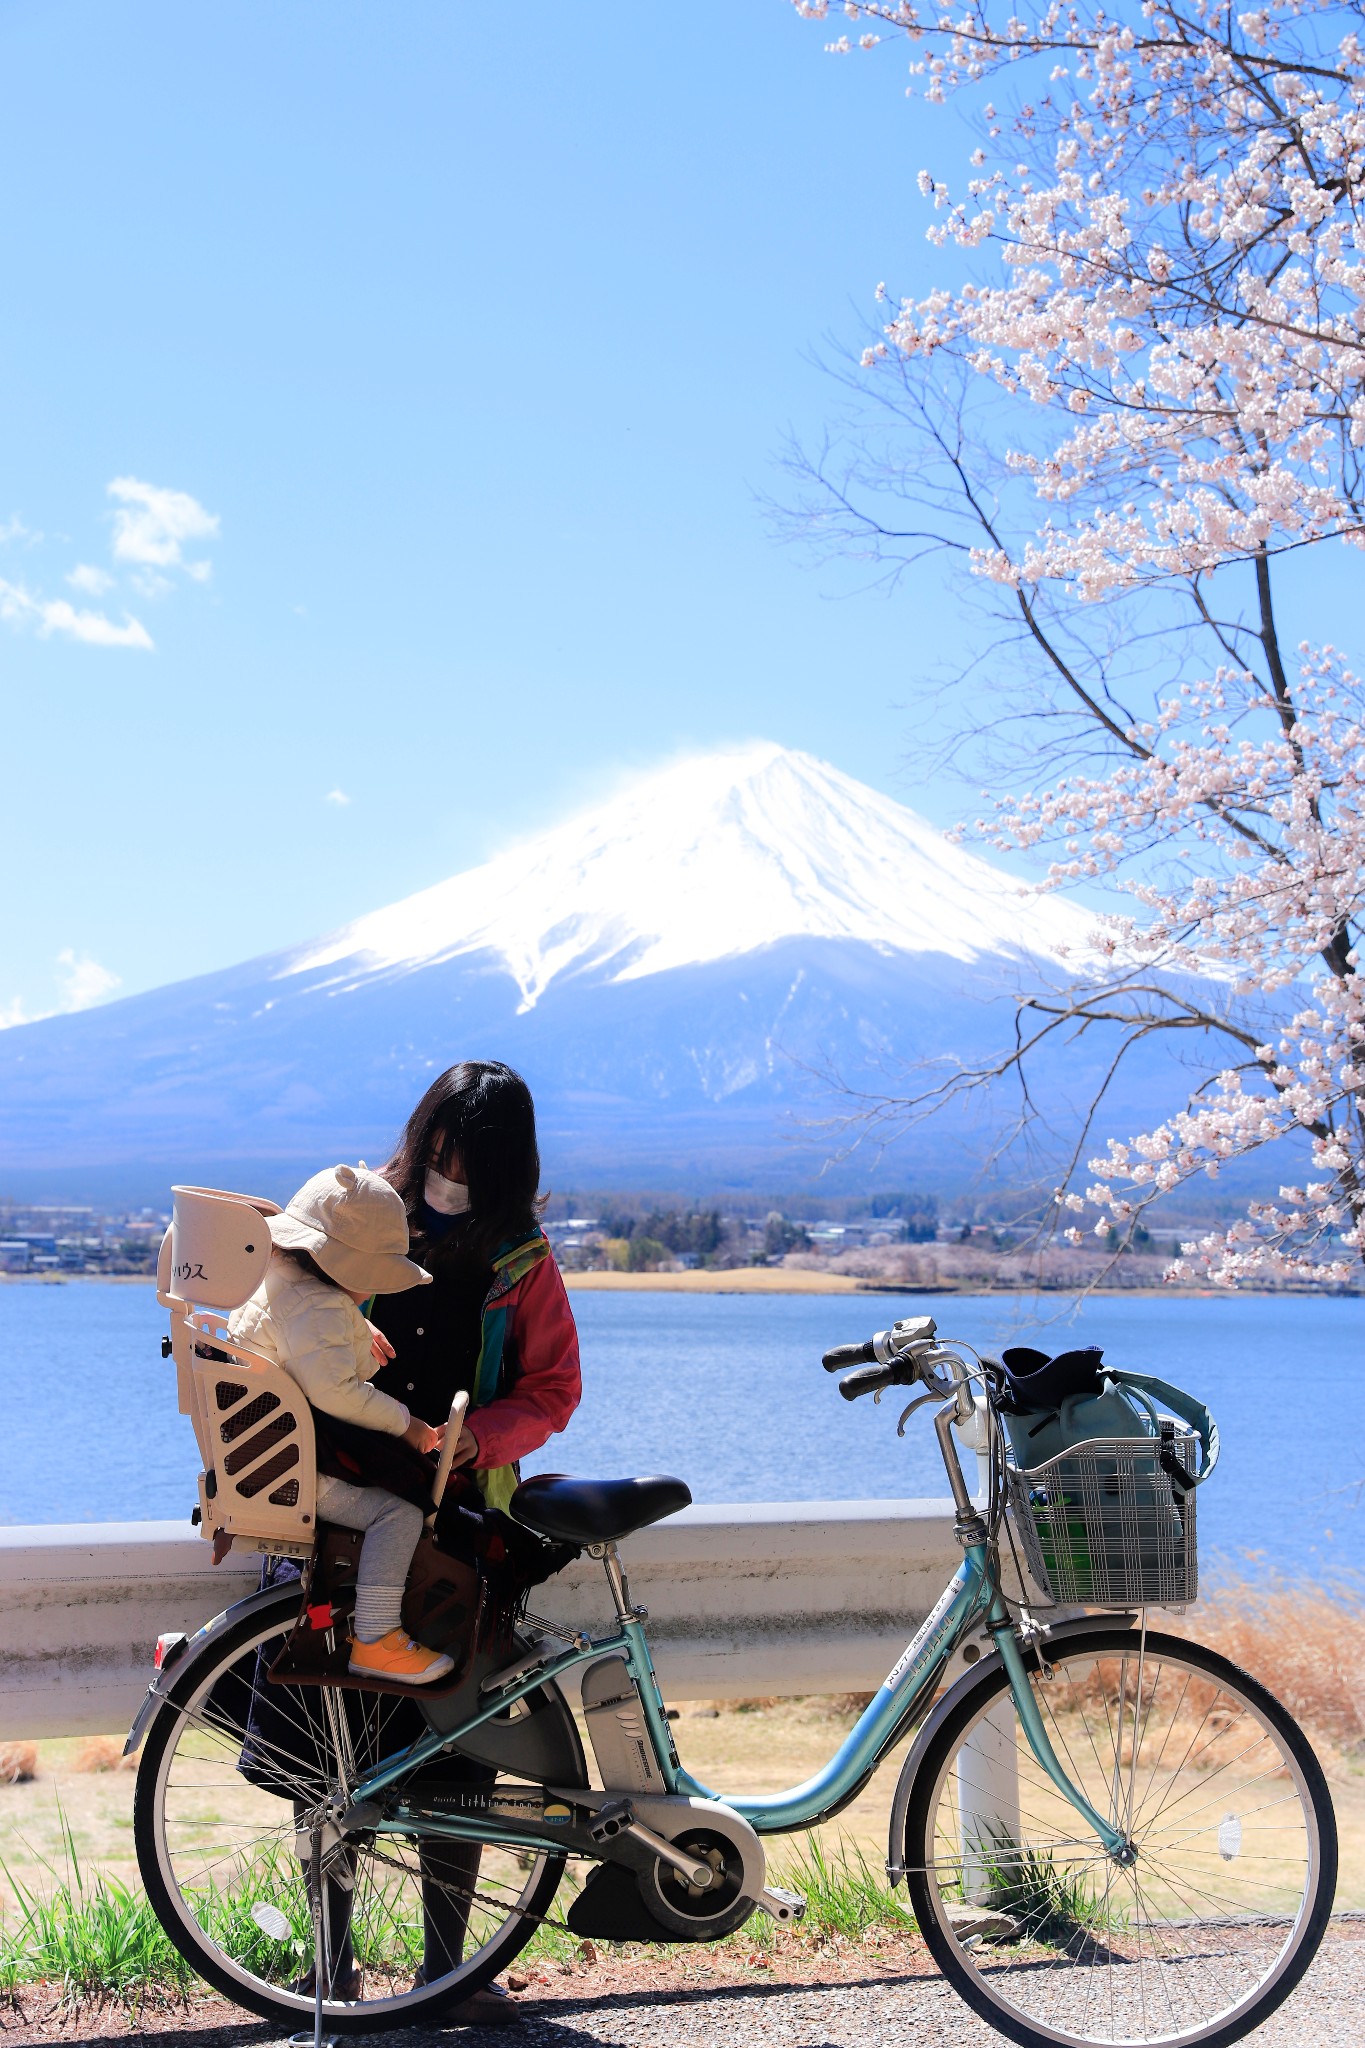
column 1105, row 1525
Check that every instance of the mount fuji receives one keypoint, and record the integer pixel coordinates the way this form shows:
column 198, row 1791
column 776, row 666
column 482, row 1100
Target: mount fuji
column 671, row 971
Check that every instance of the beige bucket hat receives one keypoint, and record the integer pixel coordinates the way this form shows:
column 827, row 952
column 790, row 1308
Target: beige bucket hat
column 355, row 1226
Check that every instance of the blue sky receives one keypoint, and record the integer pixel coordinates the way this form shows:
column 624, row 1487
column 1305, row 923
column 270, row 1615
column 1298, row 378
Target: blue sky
column 406, row 378
column 388, row 396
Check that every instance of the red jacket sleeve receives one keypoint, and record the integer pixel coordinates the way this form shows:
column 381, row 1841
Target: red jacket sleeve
column 550, row 1384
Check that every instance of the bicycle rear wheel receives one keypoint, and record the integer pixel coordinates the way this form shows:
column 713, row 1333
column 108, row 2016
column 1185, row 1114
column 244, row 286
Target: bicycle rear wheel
column 1218, row 1791
column 225, row 1801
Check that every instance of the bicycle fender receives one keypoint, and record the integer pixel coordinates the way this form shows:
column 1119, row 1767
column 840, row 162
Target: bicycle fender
column 1055, row 1635
column 164, row 1682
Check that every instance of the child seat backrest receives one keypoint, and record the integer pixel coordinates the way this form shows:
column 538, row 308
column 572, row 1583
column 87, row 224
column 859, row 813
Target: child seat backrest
column 251, row 1421
column 220, row 1246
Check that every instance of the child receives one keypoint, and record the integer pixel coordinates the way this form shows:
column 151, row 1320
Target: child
column 342, row 1238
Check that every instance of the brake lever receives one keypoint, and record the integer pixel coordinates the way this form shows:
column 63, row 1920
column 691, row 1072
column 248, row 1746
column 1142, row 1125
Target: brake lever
column 920, row 1401
column 942, row 1386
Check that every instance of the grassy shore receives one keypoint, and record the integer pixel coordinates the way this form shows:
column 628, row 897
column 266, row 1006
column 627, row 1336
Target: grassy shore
column 808, row 1280
column 739, row 1280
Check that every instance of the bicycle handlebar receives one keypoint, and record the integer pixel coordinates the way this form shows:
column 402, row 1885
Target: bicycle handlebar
column 903, row 1340
column 908, row 1352
column 850, row 1354
column 870, row 1380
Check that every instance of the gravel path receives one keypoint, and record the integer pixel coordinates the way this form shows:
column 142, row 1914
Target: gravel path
column 881, row 2008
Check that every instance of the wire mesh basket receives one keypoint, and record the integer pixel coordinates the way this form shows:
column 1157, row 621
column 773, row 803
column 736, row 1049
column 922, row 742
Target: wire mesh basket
column 1107, row 1524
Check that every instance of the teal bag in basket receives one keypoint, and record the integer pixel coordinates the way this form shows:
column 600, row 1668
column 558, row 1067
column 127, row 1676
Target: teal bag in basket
column 1110, row 1523
column 1052, row 1404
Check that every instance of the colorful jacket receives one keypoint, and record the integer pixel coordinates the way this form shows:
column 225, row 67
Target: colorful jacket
column 528, row 1380
column 524, row 1384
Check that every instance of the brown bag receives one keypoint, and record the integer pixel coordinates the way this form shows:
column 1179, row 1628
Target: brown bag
column 443, row 1607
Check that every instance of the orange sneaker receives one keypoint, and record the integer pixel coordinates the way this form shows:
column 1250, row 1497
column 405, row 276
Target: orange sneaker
column 396, row 1656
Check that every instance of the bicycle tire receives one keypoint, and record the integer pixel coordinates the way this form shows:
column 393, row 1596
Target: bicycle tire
column 218, row 1672
column 1012, row 1919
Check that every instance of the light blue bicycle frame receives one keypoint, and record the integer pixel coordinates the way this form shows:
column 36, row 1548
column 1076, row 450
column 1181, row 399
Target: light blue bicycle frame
column 972, row 1591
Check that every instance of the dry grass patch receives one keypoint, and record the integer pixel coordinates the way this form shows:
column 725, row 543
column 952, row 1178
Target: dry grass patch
column 102, row 1753
column 1305, row 1643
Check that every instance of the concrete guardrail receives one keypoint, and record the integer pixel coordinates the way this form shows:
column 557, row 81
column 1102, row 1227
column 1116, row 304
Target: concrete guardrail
column 792, row 1597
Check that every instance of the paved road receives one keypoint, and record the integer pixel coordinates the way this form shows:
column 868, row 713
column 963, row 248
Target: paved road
column 874, row 2012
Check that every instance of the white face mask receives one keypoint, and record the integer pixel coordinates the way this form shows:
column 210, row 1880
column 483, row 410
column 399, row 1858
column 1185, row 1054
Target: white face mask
column 446, row 1197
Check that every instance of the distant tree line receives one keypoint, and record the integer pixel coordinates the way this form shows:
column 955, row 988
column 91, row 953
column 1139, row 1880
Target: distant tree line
column 674, row 1230
column 639, row 1243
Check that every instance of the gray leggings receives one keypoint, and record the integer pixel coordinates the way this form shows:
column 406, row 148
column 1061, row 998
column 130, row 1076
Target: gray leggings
column 392, row 1527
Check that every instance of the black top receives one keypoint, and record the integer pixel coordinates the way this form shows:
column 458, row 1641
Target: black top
column 436, row 1331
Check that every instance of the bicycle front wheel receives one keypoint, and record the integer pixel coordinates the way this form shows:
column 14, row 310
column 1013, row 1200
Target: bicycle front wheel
column 234, row 1778
column 1220, row 1912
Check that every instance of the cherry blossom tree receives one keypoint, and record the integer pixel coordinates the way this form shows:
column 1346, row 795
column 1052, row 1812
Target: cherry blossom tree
column 1135, row 417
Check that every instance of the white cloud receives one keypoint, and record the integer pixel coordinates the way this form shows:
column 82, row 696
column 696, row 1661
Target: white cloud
column 19, row 607
column 337, row 796
column 94, row 582
column 151, row 527
column 152, row 524
column 81, row 982
column 84, row 981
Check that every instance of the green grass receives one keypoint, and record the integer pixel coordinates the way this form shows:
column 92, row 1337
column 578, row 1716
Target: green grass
column 1053, row 1906
column 97, row 1939
column 91, row 1934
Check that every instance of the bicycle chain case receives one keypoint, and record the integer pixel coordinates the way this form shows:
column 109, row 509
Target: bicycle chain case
column 630, row 1894
column 610, row 1908
column 634, row 1896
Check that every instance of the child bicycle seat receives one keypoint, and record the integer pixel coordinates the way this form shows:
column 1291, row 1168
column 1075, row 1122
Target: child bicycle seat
column 252, row 1424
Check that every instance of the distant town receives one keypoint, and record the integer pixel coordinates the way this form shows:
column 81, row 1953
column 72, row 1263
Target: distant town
column 622, row 1233
column 38, row 1238
column 57, row 1238
column 906, row 1240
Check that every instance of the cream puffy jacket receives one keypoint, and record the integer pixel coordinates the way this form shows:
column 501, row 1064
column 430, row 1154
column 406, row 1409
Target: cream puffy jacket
column 323, row 1342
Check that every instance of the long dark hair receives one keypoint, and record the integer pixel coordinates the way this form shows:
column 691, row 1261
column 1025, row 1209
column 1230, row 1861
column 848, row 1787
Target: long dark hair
column 481, row 1112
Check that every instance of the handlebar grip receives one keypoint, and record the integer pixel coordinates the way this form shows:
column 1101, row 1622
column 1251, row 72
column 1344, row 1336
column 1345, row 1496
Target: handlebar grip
column 850, row 1354
column 869, row 1381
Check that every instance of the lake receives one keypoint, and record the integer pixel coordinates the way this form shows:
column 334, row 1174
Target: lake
column 727, row 1391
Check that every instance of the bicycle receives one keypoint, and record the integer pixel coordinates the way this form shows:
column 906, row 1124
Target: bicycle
column 1107, row 1833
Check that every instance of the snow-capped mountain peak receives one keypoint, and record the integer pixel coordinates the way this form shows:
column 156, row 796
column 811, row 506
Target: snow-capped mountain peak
column 711, row 857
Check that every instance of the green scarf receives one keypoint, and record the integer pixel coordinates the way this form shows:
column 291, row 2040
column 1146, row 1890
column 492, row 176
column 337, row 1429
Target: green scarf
column 498, row 1483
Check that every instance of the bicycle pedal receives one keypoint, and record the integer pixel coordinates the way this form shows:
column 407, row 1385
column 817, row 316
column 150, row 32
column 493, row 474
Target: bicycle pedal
column 611, row 1820
column 784, row 1906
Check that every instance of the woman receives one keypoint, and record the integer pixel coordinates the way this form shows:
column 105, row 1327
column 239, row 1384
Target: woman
column 495, row 1322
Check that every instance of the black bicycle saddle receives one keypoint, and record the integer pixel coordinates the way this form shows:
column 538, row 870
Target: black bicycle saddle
column 594, row 1510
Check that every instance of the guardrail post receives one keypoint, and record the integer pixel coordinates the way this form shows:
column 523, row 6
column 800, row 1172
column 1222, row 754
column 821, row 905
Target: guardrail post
column 988, row 1800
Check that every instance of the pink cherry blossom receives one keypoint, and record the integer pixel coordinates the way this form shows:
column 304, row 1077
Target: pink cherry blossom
column 1164, row 246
